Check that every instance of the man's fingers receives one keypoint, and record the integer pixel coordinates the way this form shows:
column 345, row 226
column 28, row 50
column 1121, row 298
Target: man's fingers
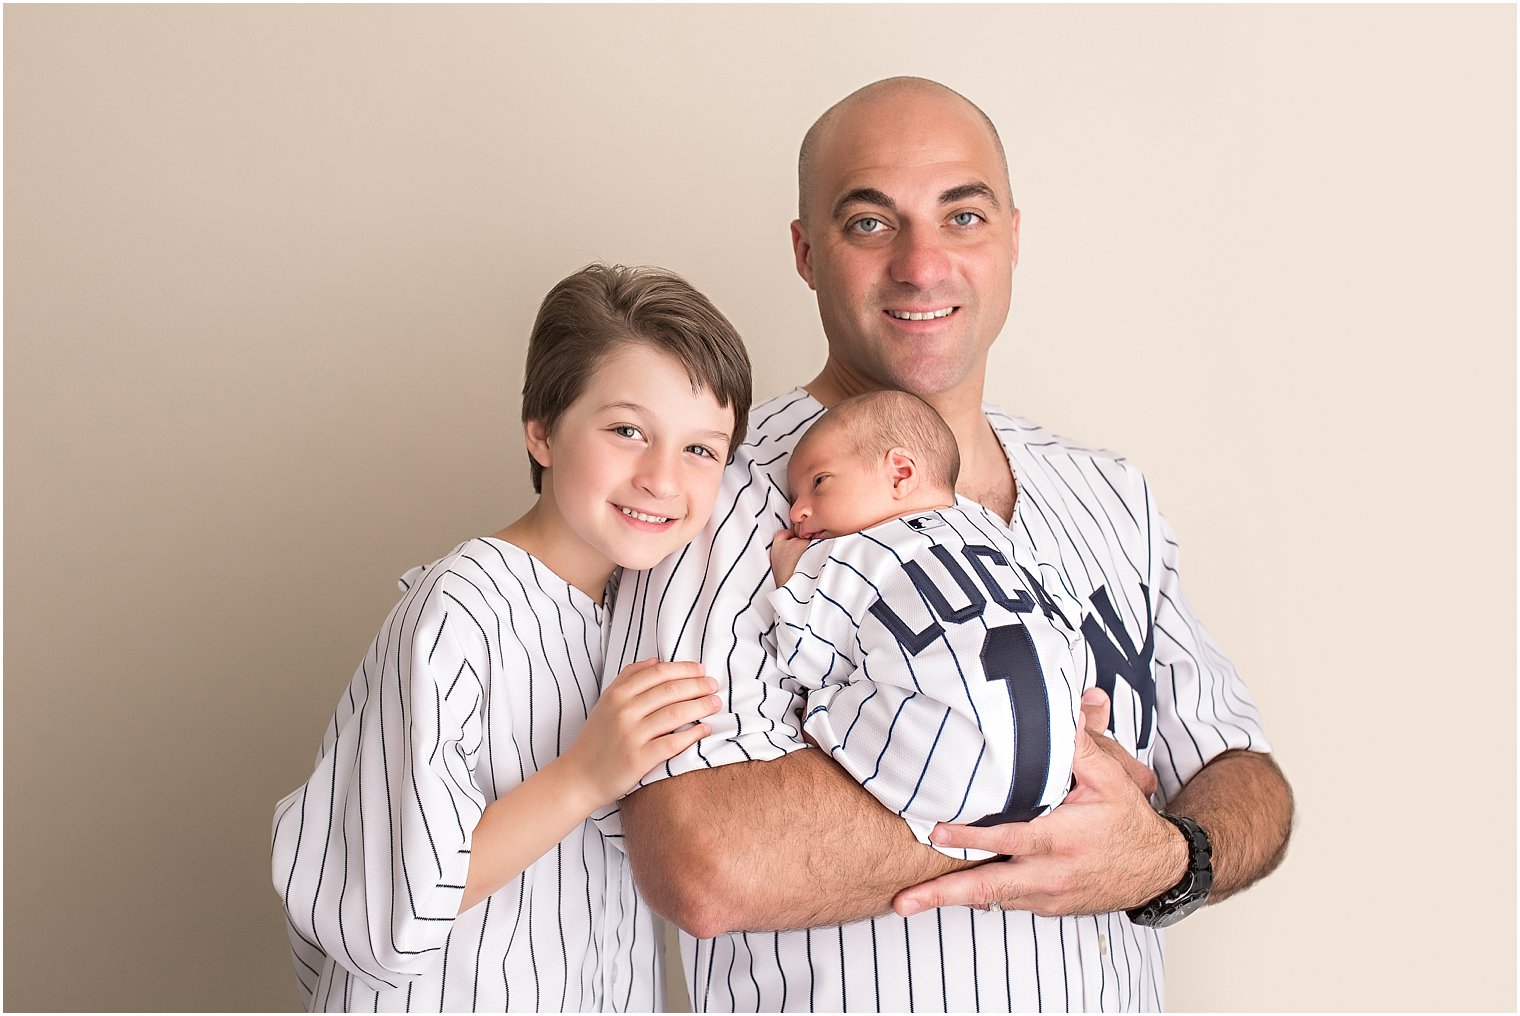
column 1095, row 710
column 1100, row 761
column 1015, row 839
column 973, row 887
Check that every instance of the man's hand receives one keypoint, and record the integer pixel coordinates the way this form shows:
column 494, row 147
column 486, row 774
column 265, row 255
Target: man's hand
column 786, row 551
column 1095, row 708
column 1102, row 849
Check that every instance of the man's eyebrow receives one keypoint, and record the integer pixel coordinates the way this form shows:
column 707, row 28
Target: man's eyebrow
column 864, row 196
column 969, row 190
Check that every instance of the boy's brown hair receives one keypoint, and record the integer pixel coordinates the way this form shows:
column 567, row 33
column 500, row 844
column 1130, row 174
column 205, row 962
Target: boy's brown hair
column 602, row 308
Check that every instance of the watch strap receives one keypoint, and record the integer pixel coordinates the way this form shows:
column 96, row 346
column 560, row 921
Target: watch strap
column 1192, row 889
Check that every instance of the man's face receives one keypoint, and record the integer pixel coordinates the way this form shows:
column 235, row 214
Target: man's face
column 910, row 244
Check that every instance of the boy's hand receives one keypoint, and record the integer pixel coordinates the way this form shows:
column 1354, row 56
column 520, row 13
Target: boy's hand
column 786, row 551
column 636, row 723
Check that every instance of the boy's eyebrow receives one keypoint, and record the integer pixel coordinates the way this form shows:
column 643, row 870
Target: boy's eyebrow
column 721, row 435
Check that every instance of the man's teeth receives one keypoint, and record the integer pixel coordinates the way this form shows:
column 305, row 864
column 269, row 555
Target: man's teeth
column 904, row 315
column 641, row 516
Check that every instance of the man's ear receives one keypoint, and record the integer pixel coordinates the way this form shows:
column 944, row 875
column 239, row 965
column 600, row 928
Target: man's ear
column 1016, row 217
column 802, row 250
column 536, row 437
column 903, row 472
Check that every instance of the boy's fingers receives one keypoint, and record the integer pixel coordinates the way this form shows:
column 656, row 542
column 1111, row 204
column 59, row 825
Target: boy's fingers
column 673, row 744
column 638, row 678
column 678, row 714
column 659, row 695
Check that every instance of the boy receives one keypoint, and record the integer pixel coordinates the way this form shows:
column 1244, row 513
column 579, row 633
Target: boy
column 472, row 742
column 940, row 672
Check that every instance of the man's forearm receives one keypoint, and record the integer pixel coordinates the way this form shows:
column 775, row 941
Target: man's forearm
column 1246, row 806
column 791, row 843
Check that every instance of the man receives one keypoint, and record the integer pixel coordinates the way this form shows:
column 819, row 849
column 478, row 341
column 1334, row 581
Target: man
column 908, row 233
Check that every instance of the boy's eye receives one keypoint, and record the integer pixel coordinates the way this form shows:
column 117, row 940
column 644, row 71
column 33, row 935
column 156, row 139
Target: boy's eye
column 702, row 450
column 817, row 480
column 965, row 218
column 627, row 430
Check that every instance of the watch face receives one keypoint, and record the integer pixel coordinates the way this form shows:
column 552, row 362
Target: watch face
column 1175, row 914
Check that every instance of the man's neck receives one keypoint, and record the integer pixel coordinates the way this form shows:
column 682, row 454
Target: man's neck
column 985, row 476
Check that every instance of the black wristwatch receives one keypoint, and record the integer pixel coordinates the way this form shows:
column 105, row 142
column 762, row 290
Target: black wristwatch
column 1190, row 893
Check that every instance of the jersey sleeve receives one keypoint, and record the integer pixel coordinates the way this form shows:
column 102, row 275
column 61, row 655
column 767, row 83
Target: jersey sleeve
column 370, row 855
column 813, row 639
column 708, row 602
column 1203, row 708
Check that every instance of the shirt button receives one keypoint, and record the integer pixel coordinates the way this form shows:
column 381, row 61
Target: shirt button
column 1102, row 944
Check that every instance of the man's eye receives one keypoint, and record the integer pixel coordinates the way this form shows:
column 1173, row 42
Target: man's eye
column 867, row 225
column 627, row 430
column 966, row 218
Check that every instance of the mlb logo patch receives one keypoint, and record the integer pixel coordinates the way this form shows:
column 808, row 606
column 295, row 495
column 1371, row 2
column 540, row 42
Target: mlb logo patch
column 924, row 523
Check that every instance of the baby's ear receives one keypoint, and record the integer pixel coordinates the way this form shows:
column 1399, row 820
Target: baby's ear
column 536, row 437
column 903, row 472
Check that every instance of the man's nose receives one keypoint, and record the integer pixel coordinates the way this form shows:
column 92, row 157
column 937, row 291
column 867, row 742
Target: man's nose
column 919, row 258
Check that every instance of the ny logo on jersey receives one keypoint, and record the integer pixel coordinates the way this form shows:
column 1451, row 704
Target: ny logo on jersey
column 1116, row 656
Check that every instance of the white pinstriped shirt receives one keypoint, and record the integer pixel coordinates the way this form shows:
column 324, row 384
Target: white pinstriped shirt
column 1178, row 703
column 481, row 675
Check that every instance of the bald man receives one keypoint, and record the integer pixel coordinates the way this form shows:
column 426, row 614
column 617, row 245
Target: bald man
column 797, row 889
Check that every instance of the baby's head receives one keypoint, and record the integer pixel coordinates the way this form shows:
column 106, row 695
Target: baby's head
column 870, row 459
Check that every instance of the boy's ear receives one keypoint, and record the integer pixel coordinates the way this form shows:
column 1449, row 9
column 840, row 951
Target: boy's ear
column 536, row 437
column 903, row 472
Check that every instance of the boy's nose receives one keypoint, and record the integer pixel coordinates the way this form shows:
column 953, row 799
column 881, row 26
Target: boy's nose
column 657, row 476
column 800, row 513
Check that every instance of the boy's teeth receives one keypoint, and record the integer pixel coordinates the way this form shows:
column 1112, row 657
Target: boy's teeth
column 641, row 516
column 903, row 315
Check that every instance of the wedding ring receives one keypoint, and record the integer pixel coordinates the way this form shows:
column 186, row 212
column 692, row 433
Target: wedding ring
column 994, row 907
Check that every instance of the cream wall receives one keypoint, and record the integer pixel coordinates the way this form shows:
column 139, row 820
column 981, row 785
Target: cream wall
column 268, row 271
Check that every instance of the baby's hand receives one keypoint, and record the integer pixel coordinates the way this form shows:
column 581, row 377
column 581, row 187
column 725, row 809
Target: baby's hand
column 637, row 722
column 786, row 551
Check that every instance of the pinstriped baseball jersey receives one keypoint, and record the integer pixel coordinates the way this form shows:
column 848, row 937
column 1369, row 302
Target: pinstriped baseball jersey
column 480, row 676
column 940, row 670
column 1177, row 703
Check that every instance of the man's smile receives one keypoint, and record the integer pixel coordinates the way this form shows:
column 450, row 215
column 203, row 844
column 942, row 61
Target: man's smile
column 921, row 315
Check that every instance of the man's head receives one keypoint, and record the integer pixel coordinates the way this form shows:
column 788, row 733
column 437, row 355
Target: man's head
column 871, row 458
column 602, row 309
column 908, row 233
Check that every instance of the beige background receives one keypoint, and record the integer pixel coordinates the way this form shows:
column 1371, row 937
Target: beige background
column 268, row 274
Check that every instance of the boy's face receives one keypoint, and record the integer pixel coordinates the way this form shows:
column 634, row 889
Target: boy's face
column 835, row 490
column 632, row 467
